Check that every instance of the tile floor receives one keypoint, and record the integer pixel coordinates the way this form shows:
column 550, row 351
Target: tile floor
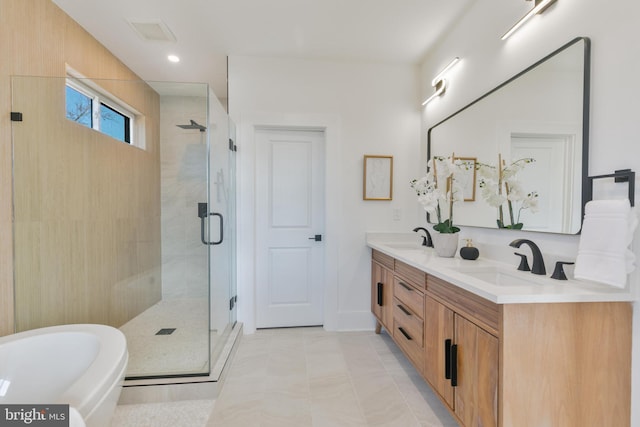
column 308, row 377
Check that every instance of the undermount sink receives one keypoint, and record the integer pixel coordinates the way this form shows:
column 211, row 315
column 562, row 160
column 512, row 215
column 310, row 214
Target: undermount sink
column 499, row 276
column 404, row 245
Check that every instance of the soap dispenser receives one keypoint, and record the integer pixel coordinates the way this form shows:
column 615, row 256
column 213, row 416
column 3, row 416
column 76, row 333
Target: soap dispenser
column 469, row 252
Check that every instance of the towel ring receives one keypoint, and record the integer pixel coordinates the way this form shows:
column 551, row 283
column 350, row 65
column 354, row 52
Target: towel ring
column 622, row 175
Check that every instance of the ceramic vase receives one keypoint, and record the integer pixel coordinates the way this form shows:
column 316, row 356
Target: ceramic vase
column 445, row 244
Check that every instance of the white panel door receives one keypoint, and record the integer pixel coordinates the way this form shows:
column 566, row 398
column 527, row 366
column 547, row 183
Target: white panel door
column 550, row 175
column 289, row 215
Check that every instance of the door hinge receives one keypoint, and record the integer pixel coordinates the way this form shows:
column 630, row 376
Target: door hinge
column 16, row 116
column 232, row 302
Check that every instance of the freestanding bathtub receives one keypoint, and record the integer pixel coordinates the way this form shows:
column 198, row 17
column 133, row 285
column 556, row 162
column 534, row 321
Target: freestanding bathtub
column 79, row 365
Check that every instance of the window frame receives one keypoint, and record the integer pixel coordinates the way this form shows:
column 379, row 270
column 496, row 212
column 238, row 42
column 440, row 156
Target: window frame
column 100, row 97
column 128, row 121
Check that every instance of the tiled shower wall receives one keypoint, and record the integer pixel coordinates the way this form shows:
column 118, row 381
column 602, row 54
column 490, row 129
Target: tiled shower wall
column 183, row 157
column 39, row 39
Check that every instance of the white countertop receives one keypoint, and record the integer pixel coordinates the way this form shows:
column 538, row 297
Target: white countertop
column 518, row 287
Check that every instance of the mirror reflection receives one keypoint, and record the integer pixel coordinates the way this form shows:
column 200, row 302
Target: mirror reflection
column 532, row 124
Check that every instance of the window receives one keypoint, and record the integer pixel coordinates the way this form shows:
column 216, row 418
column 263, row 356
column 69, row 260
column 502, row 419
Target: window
column 93, row 108
column 79, row 107
column 115, row 124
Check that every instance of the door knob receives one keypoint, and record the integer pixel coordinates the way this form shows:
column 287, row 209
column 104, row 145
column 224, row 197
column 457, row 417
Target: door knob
column 317, row 238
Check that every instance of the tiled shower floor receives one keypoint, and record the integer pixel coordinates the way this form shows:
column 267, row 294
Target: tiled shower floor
column 185, row 350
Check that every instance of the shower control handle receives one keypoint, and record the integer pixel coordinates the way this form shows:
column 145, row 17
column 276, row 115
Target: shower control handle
column 203, row 214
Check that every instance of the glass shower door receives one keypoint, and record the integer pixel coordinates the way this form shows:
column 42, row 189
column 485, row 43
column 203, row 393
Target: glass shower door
column 221, row 228
column 184, row 178
column 233, row 315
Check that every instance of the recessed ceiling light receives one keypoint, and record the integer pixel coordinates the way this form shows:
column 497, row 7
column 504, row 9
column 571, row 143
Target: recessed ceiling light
column 173, row 58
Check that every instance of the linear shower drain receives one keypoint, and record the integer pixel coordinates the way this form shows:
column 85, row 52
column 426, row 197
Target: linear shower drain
column 165, row 331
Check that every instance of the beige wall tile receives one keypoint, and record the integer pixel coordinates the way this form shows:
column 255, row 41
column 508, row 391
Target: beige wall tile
column 86, row 248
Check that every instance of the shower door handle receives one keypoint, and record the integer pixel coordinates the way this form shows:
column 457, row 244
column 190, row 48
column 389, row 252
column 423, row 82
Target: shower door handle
column 202, row 213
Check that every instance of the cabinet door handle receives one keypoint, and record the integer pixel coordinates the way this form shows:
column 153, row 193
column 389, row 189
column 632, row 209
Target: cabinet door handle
column 380, row 285
column 404, row 310
column 406, row 335
column 454, row 365
column 404, row 285
column 447, row 359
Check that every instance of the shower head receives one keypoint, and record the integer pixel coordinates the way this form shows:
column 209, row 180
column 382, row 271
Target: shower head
column 193, row 125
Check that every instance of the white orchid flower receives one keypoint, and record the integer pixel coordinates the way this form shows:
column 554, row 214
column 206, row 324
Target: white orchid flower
column 531, row 202
column 429, row 201
column 516, row 193
column 492, row 197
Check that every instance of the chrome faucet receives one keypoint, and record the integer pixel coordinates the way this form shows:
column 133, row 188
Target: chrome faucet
column 426, row 240
column 538, row 260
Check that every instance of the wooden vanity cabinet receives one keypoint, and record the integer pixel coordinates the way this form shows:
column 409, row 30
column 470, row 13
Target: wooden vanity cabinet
column 382, row 290
column 565, row 364
column 519, row 364
column 397, row 302
column 461, row 357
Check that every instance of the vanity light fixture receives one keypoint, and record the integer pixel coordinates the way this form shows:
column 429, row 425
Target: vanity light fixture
column 173, row 58
column 539, row 7
column 439, row 83
column 440, row 87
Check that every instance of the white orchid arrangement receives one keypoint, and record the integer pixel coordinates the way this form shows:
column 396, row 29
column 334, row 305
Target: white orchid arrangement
column 499, row 185
column 440, row 185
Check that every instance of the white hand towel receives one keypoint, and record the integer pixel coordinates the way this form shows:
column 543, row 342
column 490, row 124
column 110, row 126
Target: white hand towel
column 603, row 253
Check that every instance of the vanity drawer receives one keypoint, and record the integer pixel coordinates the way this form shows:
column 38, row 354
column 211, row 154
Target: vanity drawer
column 383, row 259
column 412, row 275
column 409, row 344
column 475, row 308
column 409, row 296
column 410, row 322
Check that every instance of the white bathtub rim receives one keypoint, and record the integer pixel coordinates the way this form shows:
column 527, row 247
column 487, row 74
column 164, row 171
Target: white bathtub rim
column 105, row 372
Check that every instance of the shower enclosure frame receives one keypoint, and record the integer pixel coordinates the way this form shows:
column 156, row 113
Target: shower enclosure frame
column 95, row 160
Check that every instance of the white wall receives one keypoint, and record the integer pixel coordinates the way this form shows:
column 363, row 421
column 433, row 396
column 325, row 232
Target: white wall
column 615, row 105
column 365, row 108
column 371, row 109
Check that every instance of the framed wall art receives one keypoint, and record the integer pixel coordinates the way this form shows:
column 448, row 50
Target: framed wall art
column 467, row 178
column 378, row 177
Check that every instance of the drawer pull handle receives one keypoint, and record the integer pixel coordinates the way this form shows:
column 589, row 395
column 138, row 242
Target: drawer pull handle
column 407, row 287
column 447, row 359
column 406, row 335
column 380, row 285
column 404, row 310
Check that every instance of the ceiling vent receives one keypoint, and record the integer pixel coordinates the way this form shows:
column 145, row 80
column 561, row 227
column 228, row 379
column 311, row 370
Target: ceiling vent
column 155, row 31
